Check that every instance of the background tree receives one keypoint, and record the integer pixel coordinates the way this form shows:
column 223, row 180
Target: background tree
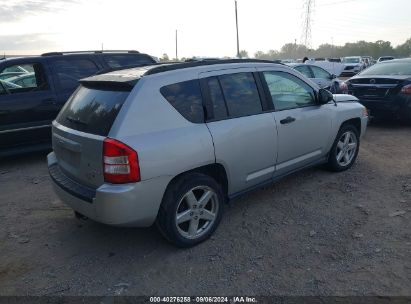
column 244, row 54
column 164, row 58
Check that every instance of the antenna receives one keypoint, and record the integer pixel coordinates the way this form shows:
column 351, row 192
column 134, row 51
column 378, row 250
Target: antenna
column 306, row 34
column 176, row 45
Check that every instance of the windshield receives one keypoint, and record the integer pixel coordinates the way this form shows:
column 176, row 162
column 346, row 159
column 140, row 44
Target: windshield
column 389, row 68
column 351, row 60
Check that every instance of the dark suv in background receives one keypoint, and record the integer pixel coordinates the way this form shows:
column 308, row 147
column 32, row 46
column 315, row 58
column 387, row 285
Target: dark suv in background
column 34, row 89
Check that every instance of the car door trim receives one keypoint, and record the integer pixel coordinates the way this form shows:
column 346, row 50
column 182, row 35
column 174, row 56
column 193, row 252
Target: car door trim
column 271, row 181
column 24, row 129
column 298, row 159
column 260, row 173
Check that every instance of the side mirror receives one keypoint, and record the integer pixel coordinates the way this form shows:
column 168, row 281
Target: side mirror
column 324, row 96
column 333, row 76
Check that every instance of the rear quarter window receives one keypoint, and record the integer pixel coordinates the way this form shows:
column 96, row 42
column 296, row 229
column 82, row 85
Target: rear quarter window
column 186, row 98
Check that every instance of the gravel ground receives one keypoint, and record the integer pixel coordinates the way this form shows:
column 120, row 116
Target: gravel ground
column 313, row 233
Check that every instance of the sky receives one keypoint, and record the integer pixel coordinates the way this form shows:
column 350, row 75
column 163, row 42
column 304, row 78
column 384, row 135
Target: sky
column 206, row 28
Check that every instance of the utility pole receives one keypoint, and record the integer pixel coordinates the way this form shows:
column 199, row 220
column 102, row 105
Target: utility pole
column 295, row 48
column 176, row 46
column 236, row 25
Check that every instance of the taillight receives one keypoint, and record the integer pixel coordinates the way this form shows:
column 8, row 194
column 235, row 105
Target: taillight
column 406, row 89
column 120, row 163
column 344, row 88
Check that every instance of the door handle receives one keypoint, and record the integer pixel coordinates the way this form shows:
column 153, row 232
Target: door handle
column 287, row 120
column 49, row 101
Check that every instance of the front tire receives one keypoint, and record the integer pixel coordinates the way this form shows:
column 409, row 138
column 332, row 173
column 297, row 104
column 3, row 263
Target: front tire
column 345, row 149
column 191, row 210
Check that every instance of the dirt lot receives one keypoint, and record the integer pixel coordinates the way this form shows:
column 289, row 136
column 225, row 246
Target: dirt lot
column 313, row 233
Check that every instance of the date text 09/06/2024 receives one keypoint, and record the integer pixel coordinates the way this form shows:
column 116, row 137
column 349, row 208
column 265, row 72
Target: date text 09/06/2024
column 239, row 299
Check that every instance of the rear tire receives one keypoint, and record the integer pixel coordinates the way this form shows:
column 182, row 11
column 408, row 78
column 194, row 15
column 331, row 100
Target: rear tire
column 191, row 210
column 345, row 149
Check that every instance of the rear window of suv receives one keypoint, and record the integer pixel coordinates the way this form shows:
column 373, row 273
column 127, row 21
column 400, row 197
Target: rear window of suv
column 121, row 60
column 93, row 110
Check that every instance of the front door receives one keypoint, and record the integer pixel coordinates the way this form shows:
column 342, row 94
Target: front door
column 304, row 127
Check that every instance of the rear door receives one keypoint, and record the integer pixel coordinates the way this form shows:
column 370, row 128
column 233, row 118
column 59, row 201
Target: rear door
column 304, row 127
column 27, row 103
column 81, row 127
column 244, row 135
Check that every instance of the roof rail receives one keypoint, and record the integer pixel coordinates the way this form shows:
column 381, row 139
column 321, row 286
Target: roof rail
column 166, row 66
column 125, row 67
column 88, row 52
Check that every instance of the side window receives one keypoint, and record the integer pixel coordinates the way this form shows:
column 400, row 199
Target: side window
column 288, row 91
column 24, row 78
column 320, row 73
column 241, row 94
column 69, row 71
column 217, row 98
column 115, row 61
column 305, row 70
column 186, row 98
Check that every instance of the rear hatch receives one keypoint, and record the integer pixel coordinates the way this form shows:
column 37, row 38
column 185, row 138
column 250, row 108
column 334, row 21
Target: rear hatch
column 83, row 124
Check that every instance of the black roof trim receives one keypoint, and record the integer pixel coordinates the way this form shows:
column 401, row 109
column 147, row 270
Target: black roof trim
column 126, row 67
column 165, row 66
column 88, row 52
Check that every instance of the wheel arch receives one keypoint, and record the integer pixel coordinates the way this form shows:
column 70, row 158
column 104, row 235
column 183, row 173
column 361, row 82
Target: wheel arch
column 356, row 122
column 215, row 171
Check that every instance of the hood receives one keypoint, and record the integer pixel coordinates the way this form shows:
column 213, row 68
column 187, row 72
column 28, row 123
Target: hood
column 344, row 98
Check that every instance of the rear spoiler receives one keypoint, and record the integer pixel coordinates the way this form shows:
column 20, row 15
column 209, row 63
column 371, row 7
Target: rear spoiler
column 109, row 85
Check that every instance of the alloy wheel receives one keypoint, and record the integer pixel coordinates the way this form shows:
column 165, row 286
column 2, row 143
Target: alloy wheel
column 346, row 148
column 197, row 212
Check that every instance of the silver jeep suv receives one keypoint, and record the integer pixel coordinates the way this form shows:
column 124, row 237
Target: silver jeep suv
column 172, row 143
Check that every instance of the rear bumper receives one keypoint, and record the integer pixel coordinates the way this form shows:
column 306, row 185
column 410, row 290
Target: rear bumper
column 397, row 107
column 134, row 205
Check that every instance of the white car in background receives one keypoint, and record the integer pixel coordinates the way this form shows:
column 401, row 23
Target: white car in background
column 320, row 76
column 331, row 66
column 353, row 65
column 385, row 58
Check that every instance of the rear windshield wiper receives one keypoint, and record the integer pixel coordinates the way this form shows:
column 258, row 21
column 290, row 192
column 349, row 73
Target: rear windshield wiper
column 76, row 120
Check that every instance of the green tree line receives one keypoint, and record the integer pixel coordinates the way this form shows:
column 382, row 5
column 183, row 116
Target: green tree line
column 360, row 48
